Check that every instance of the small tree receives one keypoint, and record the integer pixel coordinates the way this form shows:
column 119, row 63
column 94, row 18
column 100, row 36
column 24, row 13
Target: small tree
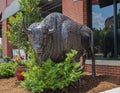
column 15, row 36
column 32, row 14
column 32, row 11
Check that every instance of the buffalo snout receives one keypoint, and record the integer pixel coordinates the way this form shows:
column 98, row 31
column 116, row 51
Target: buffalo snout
column 38, row 48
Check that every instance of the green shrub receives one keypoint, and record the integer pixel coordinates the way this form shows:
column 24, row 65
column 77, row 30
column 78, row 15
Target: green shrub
column 7, row 69
column 32, row 13
column 52, row 75
column 0, row 50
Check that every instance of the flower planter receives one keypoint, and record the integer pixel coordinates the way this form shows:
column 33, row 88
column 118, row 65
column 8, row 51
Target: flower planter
column 6, row 60
column 19, row 70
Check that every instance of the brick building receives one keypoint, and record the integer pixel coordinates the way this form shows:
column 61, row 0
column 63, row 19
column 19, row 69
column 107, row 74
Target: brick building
column 7, row 49
column 80, row 11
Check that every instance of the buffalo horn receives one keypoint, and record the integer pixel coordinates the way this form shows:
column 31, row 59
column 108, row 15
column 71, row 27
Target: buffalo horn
column 51, row 30
column 54, row 27
column 27, row 31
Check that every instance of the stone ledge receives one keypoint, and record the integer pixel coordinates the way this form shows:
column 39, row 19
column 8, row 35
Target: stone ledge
column 105, row 62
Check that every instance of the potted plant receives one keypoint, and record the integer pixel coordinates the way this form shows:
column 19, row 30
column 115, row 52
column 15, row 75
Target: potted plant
column 20, row 68
column 6, row 59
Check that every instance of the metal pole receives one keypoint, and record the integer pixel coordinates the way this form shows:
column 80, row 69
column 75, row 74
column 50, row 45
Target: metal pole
column 89, row 13
column 115, row 27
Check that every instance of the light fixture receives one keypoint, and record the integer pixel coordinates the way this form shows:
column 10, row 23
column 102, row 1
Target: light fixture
column 77, row 0
column 50, row 0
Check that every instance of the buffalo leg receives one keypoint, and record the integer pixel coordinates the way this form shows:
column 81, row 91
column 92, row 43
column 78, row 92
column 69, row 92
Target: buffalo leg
column 93, row 62
column 93, row 67
column 82, row 62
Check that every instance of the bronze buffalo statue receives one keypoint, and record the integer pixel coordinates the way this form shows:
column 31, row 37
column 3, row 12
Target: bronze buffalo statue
column 57, row 34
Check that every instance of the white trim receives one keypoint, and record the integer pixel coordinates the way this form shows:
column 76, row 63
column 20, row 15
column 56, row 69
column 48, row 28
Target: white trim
column 105, row 62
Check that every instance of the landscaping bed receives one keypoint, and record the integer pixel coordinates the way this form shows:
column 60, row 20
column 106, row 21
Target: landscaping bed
column 88, row 85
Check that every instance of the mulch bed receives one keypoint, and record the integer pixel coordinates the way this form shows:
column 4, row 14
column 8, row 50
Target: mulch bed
column 87, row 85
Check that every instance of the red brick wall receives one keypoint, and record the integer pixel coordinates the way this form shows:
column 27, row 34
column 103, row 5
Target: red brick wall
column 75, row 10
column 7, row 49
column 105, row 70
column 9, row 2
column 2, row 3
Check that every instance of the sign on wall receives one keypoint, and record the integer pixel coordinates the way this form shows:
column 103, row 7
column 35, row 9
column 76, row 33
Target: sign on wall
column 16, row 52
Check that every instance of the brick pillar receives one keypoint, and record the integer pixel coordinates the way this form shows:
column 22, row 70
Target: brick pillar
column 75, row 10
column 7, row 49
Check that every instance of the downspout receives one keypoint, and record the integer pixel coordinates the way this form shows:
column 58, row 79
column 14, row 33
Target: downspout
column 115, row 28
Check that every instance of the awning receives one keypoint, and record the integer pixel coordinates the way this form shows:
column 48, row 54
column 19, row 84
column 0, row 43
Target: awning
column 46, row 8
column 13, row 8
column 104, row 3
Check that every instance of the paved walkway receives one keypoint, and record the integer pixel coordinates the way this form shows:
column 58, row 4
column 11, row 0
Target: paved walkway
column 114, row 90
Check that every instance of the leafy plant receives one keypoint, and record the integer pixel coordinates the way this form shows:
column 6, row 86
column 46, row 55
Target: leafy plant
column 21, row 63
column 7, row 69
column 0, row 51
column 6, row 58
column 52, row 75
column 15, row 36
column 32, row 14
column 19, row 60
column 31, row 10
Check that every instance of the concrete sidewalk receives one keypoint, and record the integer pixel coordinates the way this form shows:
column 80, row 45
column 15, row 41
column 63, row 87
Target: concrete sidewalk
column 114, row 90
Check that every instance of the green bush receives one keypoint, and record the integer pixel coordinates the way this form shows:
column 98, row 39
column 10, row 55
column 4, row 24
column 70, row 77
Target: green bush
column 7, row 69
column 0, row 51
column 14, row 34
column 32, row 13
column 52, row 75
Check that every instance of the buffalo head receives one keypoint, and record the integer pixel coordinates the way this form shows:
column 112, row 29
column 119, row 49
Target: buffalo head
column 38, row 36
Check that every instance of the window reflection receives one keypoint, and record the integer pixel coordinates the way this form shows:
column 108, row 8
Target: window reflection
column 102, row 21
